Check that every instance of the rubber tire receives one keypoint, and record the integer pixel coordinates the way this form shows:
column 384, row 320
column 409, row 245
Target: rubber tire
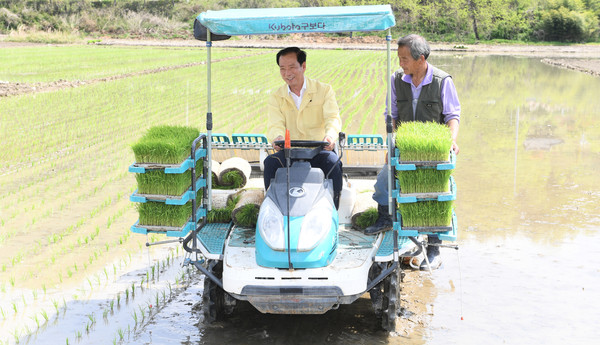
column 216, row 303
column 376, row 292
column 391, row 301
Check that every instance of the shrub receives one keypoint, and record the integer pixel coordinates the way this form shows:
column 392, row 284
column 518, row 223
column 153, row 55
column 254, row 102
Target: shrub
column 8, row 20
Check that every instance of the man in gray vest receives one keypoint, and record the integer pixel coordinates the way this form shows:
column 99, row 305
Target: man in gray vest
column 420, row 92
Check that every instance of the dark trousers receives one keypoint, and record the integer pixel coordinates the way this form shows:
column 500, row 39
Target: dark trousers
column 325, row 160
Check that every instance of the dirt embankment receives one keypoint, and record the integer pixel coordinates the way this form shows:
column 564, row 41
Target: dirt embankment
column 583, row 58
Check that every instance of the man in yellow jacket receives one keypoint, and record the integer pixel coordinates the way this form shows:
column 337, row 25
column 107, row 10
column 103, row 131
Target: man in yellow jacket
column 308, row 109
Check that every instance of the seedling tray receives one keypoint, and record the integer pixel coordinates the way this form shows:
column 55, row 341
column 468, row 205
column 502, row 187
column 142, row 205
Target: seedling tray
column 213, row 236
column 413, row 165
column 404, row 198
column 445, row 233
column 180, row 168
column 170, row 231
column 386, row 249
column 169, row 199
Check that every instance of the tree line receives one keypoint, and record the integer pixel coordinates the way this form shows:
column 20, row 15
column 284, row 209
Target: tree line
column 438, row 20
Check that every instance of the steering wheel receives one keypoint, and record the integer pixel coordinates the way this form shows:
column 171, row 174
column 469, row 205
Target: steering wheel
column 303, row 143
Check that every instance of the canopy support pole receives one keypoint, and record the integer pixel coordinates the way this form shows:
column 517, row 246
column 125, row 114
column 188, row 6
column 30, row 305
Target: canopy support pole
column 390, row 143
column 208, row 123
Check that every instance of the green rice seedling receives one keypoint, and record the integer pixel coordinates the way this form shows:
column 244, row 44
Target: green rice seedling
column 219, row 215
column 231, row 180
column 223, row 214
column 247, row 215
column 424, row 180
column 423, row 141
column 426, row 213
column 160, row 214
column 367, row 218
column 165, row 144
column 35, row 318
column 158, row 182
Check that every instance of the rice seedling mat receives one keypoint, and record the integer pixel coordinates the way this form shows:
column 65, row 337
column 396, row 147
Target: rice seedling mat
column 413, row 165
column 170, row 231
column 188, row 163
column 445, row 233
column 169, row 199
column 433, row 196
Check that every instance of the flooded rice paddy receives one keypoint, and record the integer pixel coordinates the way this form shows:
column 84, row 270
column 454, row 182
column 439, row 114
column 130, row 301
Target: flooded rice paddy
column 528, row 267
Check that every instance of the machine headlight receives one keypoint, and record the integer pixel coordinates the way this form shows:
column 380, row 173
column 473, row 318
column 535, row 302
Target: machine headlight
column 270, row 225
column 315, row 225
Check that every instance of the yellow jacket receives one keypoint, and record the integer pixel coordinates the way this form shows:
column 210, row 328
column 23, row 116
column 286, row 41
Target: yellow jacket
column 319, row 114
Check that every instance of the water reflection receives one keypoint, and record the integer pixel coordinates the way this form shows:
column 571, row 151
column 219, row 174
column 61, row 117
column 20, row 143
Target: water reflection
column 528, row 205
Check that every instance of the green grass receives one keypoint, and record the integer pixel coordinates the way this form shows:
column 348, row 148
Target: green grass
column 165, row 144
column 426, row 213
column 423, row 141
column 367, row 218
column 158, row 182
column 424, row 180
column 160, row 214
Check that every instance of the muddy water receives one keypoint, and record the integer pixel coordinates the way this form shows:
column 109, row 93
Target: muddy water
column 528, row 268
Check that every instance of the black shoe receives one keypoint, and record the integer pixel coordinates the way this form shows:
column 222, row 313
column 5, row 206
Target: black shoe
column 384, row 222
column 433, row 255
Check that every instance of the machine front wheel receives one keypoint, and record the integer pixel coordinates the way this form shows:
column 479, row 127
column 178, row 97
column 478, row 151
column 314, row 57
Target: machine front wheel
column 216, row 303
column 391, row 301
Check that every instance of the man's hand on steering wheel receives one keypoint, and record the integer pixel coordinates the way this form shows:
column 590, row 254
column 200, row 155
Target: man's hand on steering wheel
column 277, row 147
column 331, row 143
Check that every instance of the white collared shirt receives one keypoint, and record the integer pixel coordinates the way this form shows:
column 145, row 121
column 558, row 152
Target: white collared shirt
column 298, row 99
